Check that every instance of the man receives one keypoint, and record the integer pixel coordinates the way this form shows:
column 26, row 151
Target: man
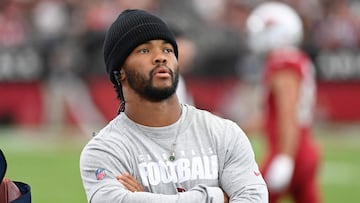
column 290, row 169
column 156, row 149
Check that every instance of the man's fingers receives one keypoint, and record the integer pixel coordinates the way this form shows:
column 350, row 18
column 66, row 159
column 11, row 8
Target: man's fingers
column 226, row 197
column 130, row 187
column 130, row 182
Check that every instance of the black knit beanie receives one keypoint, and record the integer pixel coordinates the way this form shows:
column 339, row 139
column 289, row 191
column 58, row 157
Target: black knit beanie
column 132, row 28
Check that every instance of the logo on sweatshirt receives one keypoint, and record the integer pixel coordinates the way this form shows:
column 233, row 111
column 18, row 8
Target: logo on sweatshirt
column 100, row 173
column 203, row 167
column 179, row 189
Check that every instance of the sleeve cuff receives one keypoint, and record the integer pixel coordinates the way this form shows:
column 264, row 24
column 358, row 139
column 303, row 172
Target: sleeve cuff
column 215, row 194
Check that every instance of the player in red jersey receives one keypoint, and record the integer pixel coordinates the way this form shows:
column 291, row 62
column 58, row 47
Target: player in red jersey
column 290, row 169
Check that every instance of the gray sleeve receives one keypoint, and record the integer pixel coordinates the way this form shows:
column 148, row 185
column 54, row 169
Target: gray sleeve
column 198, row 194
column 241, row 178
column 106, row 188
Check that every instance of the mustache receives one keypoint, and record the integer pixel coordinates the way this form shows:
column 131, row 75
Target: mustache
column 153, row 71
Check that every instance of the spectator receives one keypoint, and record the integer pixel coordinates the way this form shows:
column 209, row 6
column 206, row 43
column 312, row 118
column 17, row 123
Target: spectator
column 20, row 68
column 187, row 52
column 65, row 89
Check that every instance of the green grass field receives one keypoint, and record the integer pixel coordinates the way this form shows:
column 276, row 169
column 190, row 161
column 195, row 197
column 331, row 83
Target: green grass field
column 49, row 162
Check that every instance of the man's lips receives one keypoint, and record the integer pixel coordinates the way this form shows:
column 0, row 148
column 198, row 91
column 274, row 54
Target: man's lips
column 162, row 71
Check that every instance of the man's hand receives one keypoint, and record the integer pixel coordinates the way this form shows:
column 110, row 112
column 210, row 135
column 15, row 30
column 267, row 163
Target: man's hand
column 226, row 198
column 280, row 173
column 130, row 182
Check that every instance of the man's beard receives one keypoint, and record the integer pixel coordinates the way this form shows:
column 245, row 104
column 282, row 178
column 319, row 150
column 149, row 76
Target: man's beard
column 145, row 89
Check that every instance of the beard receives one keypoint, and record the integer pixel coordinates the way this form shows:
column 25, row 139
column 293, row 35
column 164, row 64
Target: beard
column 143, row 86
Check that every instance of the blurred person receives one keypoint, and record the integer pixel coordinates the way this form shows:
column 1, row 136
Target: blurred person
column 187, row 52
column 148, row 5
column 66, row 90
column 209, row 10
column 156, row 149
column 49, row 19
column 20, row 68
column 242, row 102
column 337, row 14
column 97, row 16
column 291, row 164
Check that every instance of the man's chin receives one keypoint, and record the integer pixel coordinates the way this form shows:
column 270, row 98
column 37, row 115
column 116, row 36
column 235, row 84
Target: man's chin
column 162, row 85
column 158, row 95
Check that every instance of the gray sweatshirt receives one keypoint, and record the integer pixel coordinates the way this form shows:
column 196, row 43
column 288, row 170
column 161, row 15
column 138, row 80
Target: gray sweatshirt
column 212, row 155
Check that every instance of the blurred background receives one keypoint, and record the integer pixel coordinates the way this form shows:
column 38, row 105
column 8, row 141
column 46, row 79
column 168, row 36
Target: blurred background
column 55, row 94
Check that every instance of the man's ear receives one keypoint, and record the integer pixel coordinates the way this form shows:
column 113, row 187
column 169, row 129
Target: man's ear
column 122, row 75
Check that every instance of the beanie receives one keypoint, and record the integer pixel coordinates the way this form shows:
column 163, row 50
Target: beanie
column 132, row 28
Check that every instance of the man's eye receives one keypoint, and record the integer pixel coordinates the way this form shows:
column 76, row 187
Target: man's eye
column 169, row 50
column 143, row 51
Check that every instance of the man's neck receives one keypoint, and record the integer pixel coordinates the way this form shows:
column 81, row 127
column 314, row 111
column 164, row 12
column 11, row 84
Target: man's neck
column 154, row 114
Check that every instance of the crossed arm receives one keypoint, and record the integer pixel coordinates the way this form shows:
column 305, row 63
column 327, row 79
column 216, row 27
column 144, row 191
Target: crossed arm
column 135, row 186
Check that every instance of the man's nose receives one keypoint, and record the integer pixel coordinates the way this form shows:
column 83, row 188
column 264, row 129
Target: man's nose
column 160, row 58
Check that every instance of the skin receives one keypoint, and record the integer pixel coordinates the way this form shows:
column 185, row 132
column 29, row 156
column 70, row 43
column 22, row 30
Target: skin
column 155, row 54
column 157, row 64
column 286, row 87
column 130, row 182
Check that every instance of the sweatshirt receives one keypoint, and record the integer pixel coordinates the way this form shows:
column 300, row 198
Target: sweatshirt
column 212, row 155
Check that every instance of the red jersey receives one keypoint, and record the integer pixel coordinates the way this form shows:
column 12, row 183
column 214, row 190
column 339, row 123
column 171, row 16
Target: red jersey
column 298, row 62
